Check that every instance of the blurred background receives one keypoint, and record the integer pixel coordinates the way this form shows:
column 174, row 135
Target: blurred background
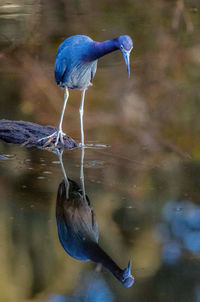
column 145, row 189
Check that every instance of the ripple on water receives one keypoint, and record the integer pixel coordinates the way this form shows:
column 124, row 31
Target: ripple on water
column 6, row 156
column 94, row 164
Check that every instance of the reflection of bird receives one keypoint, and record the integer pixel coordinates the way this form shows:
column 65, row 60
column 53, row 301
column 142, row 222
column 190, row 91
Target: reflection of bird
column 78, row 231
column 75, row 67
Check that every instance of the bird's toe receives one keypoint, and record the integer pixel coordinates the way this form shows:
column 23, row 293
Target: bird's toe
column 60, row 138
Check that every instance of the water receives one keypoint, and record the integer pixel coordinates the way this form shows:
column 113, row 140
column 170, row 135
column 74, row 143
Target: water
column 144, row 189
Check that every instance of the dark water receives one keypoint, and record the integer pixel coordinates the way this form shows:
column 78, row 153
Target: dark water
column 145, row 189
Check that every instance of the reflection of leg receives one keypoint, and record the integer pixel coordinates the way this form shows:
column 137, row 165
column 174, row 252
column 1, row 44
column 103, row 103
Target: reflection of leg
column 82, row 172
column 81, row 110
column 60, row 153
column 98, row 268
column 58, row 135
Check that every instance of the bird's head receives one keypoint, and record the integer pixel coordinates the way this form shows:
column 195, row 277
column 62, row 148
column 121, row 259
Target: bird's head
column 125, row 44
column 127, row 279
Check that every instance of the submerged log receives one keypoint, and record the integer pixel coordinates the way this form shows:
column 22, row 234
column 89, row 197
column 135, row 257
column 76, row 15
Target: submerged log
column 29, row 134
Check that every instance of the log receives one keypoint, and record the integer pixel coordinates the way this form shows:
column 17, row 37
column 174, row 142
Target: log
column 28, row 134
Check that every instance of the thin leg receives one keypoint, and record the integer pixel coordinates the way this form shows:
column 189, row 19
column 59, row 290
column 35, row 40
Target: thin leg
column 81, row 110
column 60, row 132
column 60, row 153
column 82, row 172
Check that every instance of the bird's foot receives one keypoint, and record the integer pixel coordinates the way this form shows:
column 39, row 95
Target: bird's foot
column 48, row 138
column 81, row 145
column 93, row 146
column 57, row 136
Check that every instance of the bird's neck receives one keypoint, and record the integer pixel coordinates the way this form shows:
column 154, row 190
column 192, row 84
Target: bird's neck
column 100, row 49
column 99, row 256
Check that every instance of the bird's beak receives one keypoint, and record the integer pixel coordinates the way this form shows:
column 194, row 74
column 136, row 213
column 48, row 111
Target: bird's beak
column 126, row 55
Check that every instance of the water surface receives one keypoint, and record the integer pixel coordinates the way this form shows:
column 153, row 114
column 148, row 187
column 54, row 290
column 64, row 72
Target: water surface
column 145, row 189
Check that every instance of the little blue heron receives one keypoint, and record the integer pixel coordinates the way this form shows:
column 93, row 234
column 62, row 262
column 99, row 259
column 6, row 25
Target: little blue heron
column 75, row 67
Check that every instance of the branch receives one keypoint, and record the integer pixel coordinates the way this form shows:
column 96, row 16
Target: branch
column 28, row 134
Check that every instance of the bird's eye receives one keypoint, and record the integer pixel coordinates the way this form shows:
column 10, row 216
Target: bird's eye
column 121, row 46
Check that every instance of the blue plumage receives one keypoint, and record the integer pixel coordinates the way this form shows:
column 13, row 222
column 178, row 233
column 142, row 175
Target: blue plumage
column 78, row 231
column 72, row 69
column 75, row 67
column 76, row 221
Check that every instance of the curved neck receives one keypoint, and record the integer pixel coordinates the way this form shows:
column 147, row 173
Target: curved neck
column 98, row 255
column 100, row 49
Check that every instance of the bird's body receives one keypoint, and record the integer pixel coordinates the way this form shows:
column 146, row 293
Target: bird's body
column 72, row 68
column 78, row 231
column 76, row 64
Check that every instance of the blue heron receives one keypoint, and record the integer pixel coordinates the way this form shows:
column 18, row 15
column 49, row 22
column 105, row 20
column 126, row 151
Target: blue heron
column 75, row 67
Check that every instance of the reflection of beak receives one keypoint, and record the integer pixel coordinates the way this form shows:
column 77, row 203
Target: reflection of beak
column 127, row 271
column 128, row 279
column 126, row 55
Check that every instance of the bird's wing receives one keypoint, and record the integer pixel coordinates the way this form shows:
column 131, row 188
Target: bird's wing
column 72, row 41
column 60, row 69
column 61, row 47
column 80, row 221
column 94, row 69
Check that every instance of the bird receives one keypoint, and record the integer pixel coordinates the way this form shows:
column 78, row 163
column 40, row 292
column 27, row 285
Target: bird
column 78, row 231
column 75, row 68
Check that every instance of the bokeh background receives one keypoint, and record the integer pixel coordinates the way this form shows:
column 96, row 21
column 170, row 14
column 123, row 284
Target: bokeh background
column 145, row 189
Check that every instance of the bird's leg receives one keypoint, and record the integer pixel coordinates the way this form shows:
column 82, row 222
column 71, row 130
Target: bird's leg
column 81, row 110
column 60, row 133
column 82, row 171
